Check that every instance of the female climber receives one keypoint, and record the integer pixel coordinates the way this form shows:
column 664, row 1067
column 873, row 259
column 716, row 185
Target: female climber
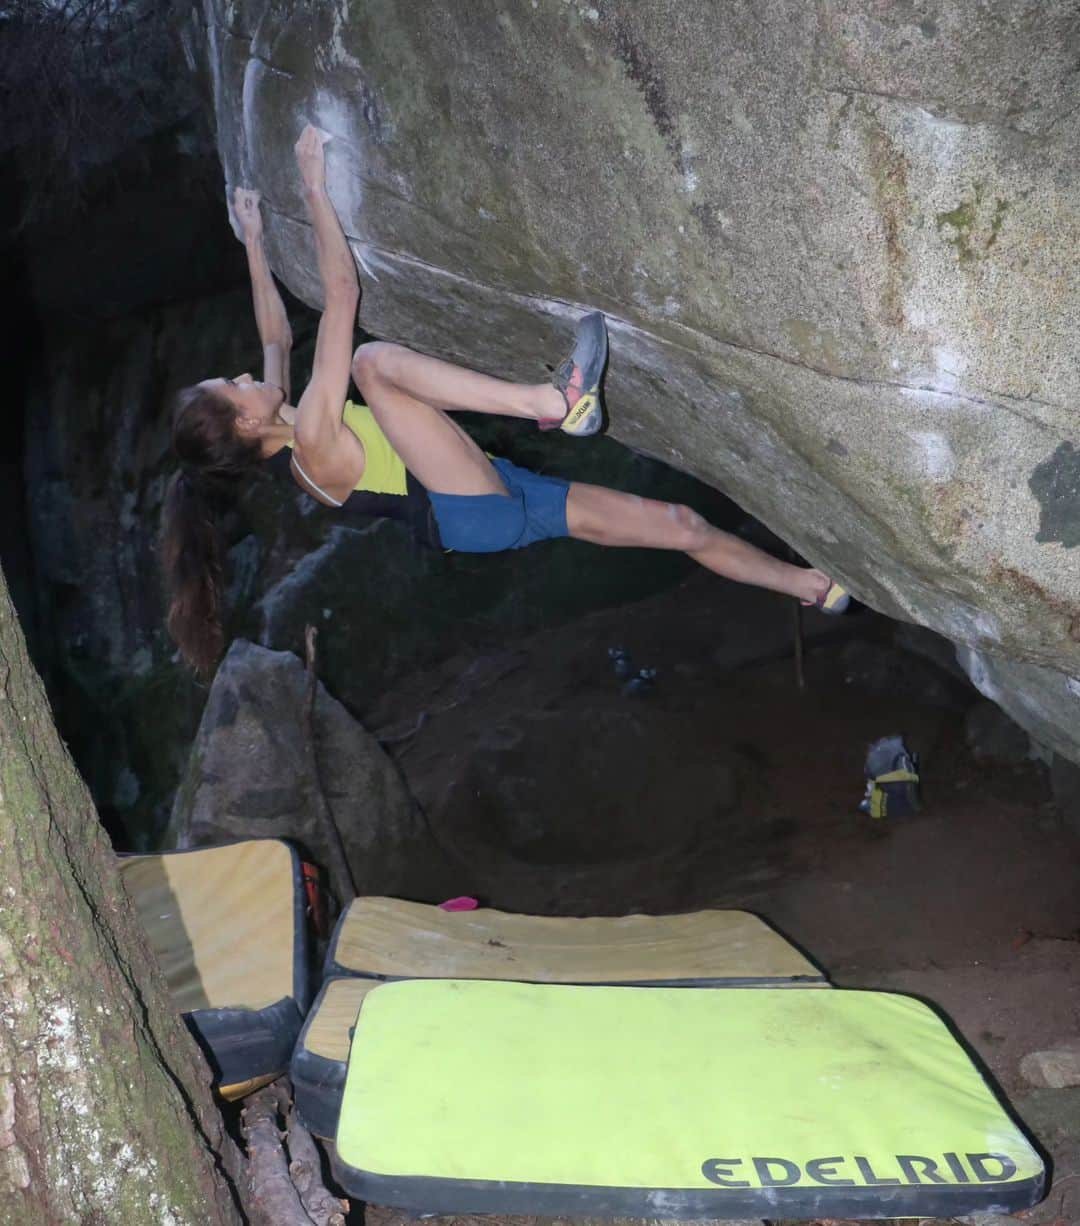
column 398, row 454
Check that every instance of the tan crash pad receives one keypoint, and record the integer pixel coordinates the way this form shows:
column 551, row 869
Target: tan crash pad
column 390, row 939
column 221, row 921
column 328, row 1028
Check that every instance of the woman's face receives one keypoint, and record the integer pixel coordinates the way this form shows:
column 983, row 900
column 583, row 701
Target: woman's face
column 256, row 404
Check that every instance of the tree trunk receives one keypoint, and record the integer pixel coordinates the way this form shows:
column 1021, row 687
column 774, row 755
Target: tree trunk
column 105, row 1109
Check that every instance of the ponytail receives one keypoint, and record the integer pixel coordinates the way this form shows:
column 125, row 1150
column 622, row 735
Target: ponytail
column 191, row 559
column 214, row 460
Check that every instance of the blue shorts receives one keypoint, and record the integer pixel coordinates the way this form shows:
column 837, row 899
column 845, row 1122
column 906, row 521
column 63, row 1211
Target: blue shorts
column 489, row 523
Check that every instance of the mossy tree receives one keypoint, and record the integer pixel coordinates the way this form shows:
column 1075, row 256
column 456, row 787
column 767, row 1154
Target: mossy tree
column 105, row 1108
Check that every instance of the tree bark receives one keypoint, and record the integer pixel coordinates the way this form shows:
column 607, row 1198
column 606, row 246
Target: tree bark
column 105, row 1109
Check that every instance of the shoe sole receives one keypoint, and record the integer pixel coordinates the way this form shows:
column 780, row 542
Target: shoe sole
column 835, row 600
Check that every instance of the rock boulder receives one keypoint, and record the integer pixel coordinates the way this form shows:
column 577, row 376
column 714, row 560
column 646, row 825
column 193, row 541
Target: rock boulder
column 829, row 240
column 248, row 777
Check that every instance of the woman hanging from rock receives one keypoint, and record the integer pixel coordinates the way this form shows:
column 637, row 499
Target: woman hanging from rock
column 398, row 454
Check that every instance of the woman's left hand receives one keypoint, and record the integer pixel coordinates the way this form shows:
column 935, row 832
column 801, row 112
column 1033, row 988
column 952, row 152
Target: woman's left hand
column 248, row 215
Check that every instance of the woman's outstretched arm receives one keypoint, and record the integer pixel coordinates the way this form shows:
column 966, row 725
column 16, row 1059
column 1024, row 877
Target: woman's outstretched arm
column 318, row 417
column 273, row 324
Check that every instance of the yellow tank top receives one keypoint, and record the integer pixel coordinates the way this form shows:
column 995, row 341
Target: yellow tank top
column 384, row 470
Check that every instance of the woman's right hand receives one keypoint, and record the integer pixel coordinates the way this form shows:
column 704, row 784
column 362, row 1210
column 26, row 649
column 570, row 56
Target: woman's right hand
column 310, row 157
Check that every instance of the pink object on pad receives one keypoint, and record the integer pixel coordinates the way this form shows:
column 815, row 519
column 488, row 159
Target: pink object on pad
column 459, row 904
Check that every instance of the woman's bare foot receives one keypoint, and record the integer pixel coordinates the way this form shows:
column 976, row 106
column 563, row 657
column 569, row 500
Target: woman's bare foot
column 813, row 586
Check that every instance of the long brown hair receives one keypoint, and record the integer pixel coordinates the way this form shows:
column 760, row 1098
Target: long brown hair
column 214, row 462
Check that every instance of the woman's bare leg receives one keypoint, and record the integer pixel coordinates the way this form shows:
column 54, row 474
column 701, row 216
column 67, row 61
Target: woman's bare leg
column 442, row 385
column 609, row 517
column 434, row 449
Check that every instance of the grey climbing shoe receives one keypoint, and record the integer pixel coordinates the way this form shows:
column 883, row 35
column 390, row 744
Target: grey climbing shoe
column 586, row 415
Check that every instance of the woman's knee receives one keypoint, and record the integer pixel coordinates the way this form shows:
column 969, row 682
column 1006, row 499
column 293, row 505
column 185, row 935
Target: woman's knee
column 606, row 517
column 689, row 530
column 375, row 362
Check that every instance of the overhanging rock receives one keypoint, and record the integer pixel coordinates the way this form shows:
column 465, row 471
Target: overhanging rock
column 833, row 242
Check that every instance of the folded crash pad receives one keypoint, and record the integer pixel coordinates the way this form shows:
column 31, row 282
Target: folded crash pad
column 385, row 938
column 321, row 1057
column 227, row 926
column 497, row 1097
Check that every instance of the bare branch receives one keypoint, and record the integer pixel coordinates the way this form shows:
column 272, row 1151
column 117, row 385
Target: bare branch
column 341, row 879
column 273, row 1200
column 322, row 1206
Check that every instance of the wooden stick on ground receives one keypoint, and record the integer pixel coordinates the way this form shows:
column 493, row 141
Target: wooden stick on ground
column 273, row 1200
column 341, row 878
column 321, row 1206
column 800, row 674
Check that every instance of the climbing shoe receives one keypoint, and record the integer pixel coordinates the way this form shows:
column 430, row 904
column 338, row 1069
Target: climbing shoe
column 835, row 600
column 892, row 779
column 586, row 415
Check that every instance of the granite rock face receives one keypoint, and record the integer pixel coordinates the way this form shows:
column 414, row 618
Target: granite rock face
column 249, row 776
column 832, row 242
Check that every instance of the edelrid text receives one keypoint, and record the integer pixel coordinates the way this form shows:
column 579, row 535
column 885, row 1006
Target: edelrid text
column 840, row 1171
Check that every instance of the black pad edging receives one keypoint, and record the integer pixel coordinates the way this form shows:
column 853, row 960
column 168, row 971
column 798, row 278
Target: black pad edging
column 318, row 1088
column 336, row 971
column 420, row 1194
column 301, row 946
column 318, row 1083
column 243, row 1043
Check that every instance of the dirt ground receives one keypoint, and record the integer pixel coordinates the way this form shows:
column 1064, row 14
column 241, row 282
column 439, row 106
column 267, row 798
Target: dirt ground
column 731, row 787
